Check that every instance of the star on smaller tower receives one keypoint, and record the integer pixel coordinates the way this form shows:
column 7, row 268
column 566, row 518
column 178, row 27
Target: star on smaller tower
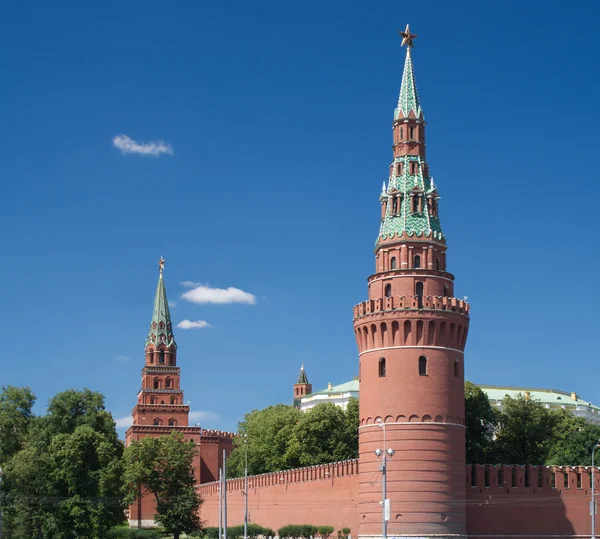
column 161, row 265
column 407, row 37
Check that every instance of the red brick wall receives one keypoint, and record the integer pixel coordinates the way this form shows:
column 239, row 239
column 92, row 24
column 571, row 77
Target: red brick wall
column 544, row 501
column 321, row 495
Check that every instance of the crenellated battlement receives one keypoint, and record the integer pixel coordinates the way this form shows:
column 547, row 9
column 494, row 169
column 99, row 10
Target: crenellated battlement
column 394, row 303
column 210, row 433
column 321, row 472
column 504, row 479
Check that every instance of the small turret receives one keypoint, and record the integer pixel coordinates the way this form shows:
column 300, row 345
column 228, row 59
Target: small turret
column 302, row 387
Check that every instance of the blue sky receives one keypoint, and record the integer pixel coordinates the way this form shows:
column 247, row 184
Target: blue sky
column 277, row 116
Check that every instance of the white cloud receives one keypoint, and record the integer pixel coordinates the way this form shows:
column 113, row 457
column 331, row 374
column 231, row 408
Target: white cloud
column 202, row 415
column 121, row 357
column 124, row 422
column 172, row 304
column 196, row 324
column 204, row 294
column 189, row 284
column 127, row 145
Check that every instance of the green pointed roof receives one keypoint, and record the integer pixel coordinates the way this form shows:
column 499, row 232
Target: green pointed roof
column 161, row 330
column 409, row 97
column 414, row 178
column 302, row 378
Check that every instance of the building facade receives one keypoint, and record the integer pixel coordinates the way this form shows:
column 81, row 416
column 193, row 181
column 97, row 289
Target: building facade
column 161, row 409
column 553, row 399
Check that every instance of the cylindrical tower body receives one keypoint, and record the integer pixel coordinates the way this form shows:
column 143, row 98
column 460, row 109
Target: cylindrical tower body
column 411, row 335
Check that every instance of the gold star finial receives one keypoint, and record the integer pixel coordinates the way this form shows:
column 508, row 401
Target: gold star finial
column 407, row 37
column 161, row 264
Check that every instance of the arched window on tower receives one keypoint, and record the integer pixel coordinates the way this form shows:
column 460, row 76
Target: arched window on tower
column 161, row 357
column 172, row 400
column 382, row 367
column 402, row 133
column 172, row 422
column 419, row 293
column 157, row 422
column 156, row 383
column 393, row 263
column 412, row 132
column 437, row 264
column 415, row 204
column 151, row 357
column 445, row 291
column 422, row 366
column 152, row 400
column 417, row 262
column 388, row 290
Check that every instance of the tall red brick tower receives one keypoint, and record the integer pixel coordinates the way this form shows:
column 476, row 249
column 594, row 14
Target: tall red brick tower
column 411, row 335
column 302, row 387
column 160, row 408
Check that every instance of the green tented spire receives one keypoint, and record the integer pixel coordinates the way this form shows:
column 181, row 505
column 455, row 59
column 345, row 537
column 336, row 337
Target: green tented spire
column 161, row 330
column 302, row 378
column 409, row 97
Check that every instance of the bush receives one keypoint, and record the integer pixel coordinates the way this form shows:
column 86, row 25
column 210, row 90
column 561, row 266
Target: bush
column 134, row 533
column 235, row 532
column 299, row 531
column 343, row 533
column 325, row 531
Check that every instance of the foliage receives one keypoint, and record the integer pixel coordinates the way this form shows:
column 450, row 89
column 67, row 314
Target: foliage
column 268, row 432
column 281, row 437
column 324, row 531
column 297, row 531
column 525, row 432
column 163, row 466
column 134, row 533
column 234, row 532
column 319, row 437
column 572, row 441
column 66, row 480
column 480, row 422
column 16, row 404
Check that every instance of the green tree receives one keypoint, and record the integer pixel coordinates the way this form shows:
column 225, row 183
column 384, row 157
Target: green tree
column 352, row 424
column 572, row 441
column 66, row 481
column 163, row 467
column 525, row 432
column 321, row 436
column 16, row 404
column 267, row 434
column 481, row 423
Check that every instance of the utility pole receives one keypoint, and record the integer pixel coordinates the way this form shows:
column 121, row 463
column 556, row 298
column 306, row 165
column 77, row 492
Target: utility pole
column 385, row 503
column 220, row 500
column 224, row 495
column 245, row 486
column 592, row 505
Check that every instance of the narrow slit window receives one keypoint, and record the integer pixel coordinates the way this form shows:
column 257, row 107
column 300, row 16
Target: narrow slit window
column 415, row 204
column 422, row 366
column 161, row 357
column 419, row 294
column 412, row 133
column 456, row 367
column 382, row 367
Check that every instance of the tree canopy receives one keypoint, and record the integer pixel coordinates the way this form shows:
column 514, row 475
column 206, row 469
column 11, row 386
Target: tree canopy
column 163, row 467
column 65, row 480
column 281, row 437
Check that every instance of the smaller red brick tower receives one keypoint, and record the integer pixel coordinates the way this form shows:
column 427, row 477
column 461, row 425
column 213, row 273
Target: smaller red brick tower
column 301, row 387
column 160, row 408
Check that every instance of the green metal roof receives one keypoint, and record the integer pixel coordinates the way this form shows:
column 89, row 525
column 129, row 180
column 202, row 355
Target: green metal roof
column 553, row 397
column 418, row 183
column 161, row 330
column 302, row 378
column 346, row 387
column 409, row 97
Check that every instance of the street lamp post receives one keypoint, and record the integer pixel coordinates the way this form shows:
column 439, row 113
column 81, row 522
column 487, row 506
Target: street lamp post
column 593, row 504
column 383, row 467
column 245, row 486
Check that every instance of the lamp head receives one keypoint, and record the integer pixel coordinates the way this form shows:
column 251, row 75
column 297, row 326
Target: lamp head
column 391, row 452
column 378, row 452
